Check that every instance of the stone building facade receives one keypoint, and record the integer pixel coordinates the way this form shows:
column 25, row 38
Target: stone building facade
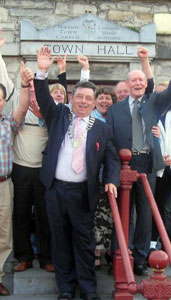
column 108, row 69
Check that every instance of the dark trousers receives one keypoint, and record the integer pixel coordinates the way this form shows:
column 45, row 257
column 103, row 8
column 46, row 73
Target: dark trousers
column 28, row 190
column 71, row 223
column 167, row 204
column 163, row 200
column 160, row 192
column 143, row 225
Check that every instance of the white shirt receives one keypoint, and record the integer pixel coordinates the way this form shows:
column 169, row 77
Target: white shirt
column 165, row 139
column 64, row 169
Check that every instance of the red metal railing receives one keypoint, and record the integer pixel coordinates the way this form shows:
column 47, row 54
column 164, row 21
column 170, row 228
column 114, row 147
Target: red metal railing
column 156, row 215
column 122, row 242
column 158, row 286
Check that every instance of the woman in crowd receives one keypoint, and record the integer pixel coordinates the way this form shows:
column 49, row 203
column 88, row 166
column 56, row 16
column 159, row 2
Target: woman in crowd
column 103, row 219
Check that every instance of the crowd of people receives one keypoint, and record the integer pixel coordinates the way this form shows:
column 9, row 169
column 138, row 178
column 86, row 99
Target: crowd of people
column 62, row 158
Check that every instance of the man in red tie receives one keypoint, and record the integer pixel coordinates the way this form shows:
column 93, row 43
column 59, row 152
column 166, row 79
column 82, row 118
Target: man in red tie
column 77, row 145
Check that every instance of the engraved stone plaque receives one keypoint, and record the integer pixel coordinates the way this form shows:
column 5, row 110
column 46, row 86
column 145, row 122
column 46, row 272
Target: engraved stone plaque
column 88, row 35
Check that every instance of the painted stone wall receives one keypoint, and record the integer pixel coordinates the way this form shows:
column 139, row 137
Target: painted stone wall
column 130, row 14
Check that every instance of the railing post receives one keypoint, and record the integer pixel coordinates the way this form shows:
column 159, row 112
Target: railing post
column 127, row 177
column 158, row 287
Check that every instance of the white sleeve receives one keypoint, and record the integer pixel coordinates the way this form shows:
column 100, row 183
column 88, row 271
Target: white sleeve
column 7, row 82
column 4, row 78
column 85, row 75
column 40, row 75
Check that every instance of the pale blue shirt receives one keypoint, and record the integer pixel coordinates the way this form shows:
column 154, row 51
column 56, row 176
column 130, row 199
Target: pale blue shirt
column 97, row 115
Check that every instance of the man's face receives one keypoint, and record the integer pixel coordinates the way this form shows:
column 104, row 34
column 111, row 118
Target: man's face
column 103, row 102
column 122, row 91
column 2, row 101
column 137, row 84
column 58, row 96
column 83, row 102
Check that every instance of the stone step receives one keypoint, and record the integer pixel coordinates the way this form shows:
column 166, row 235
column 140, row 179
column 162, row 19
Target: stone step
column 38, row 281
column 54, row 297
column 39, row 284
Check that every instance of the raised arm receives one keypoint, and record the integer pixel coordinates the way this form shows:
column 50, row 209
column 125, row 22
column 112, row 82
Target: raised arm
column 26, row 77
column 4, row 78
column 143, row 55
column 12, row 93
column 62, row 73
column 44, row 99
column 44, row 59
column 85, row 70
column 34, row 108
column 2, row 40
column 61, row 64
column 163, row 99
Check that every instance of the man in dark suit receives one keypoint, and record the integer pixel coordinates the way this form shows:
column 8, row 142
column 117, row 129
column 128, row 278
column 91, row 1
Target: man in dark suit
column 72, row 187
column 147, row 158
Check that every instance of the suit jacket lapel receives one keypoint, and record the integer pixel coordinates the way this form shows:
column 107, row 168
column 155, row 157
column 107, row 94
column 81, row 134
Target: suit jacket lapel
column 66, row 122
column 144, row 111
column 125, row 107
column 143, row 101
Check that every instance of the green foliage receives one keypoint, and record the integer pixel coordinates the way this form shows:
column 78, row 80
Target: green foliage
column 133, row 28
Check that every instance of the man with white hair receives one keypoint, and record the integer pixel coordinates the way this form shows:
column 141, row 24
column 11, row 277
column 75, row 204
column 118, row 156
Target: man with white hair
column 132, row 120
column 122, row 88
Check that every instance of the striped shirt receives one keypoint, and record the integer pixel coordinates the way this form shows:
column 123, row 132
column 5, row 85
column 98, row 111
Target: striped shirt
column 8, row 129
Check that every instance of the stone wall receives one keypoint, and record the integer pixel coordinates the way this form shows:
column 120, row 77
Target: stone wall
column 131, row 14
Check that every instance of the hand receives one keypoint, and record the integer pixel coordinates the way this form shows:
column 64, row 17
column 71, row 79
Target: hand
column 2, row 40
column 34, row 108
column 111, row 188
column 83, row 61
column 156, row 131
column 61, row 64
column 44, row 60
column 167, row 160
column 142, row 53
column 26, row 74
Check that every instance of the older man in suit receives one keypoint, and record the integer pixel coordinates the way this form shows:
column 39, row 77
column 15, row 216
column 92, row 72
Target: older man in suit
column 76, row 147
column 132, row 120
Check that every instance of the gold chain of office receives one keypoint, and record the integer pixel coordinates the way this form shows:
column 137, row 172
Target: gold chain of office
column 77, row 142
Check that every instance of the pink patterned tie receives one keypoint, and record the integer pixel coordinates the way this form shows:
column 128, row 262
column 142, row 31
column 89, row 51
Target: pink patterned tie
column 78, row 150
